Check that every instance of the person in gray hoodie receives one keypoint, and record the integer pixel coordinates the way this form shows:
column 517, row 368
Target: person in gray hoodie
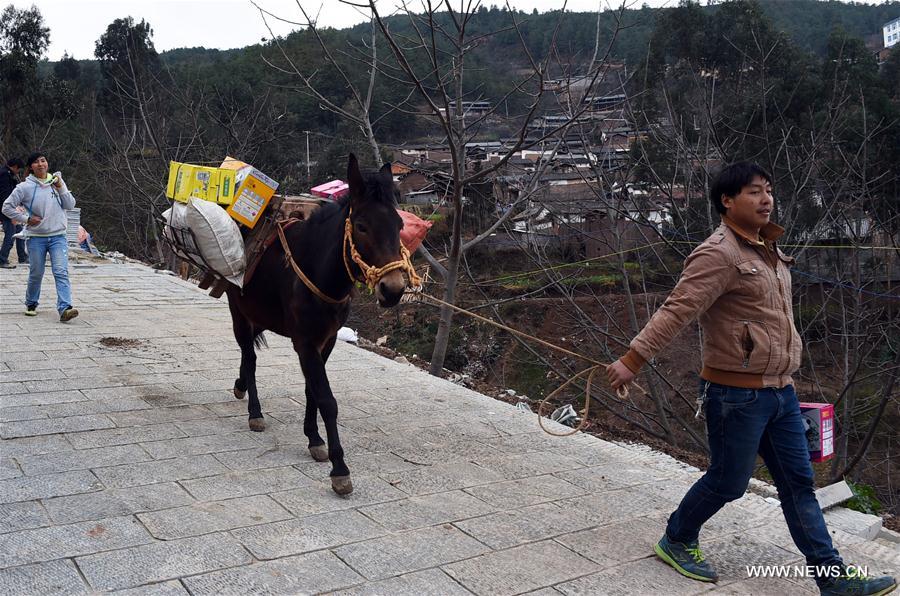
column 45, row 198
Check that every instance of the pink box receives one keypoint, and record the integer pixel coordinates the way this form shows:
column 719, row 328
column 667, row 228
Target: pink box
column 333, row 190
column 821, row 430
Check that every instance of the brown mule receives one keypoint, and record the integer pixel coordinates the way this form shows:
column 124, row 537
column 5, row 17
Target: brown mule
column 311, row 311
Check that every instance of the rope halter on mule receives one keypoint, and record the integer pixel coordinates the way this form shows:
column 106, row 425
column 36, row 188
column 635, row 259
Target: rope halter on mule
column 372, row 275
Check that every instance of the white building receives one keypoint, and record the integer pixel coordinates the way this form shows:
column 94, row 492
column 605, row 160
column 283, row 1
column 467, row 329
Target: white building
column 891, row 32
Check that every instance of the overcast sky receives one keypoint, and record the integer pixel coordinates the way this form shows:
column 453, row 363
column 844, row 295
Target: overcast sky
column 76, row 24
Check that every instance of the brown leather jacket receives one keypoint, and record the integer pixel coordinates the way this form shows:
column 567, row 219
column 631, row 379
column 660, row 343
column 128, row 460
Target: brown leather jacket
column 741, row 291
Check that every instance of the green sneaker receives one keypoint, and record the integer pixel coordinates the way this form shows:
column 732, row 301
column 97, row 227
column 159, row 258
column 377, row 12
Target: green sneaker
column 856, row 584
column 31, row 310
column 686, row 559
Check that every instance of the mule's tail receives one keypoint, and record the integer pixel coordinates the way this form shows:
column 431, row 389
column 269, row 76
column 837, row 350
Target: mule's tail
column 259, row 341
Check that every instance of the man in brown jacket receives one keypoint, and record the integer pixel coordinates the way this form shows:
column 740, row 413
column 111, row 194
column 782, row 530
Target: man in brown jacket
column 739, row 285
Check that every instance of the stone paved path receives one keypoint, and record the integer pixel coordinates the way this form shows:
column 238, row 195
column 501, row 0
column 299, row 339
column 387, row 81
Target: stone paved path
column 131, row 468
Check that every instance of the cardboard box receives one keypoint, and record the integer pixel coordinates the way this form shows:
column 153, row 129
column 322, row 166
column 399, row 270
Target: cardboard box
column 821, row 430
column 300, row 206
column 230, row 163
column 333, row 190
column 201, row 182
column 252, row 198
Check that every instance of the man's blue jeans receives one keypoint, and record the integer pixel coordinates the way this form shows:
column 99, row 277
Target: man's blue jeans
column 38, row 248
column 741, row 423
column 10, row 228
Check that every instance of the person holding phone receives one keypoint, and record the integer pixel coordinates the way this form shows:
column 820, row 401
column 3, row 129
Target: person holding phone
column 45, row 198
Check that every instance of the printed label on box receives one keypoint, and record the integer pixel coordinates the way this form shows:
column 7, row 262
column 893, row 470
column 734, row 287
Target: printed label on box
column 827, row 437
column 248, row 204
column 820, row 430
column 188, row 181
column 253, row 197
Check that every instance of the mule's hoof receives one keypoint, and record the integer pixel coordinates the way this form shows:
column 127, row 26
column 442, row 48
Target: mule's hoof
column 319, row 452
column 238, row 394
column 257, row 424
column 341, row 485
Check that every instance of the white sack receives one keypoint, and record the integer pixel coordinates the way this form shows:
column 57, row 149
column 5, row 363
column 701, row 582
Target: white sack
column 218, row 239
column 176, row 217
column 348, row 335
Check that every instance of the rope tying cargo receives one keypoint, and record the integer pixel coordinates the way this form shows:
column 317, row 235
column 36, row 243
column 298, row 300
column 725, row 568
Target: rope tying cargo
column 306, row 281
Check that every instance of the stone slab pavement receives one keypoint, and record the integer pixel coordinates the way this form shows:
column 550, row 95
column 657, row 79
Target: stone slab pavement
column 126, row 465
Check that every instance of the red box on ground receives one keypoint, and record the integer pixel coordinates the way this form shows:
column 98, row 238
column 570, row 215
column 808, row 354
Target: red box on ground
column 821, row 430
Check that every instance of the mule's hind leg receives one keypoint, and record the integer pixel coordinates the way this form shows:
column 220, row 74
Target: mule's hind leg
column 246, row 381
column 314, row 371
column 239, row 325
column 254, row 409
column 317, row 448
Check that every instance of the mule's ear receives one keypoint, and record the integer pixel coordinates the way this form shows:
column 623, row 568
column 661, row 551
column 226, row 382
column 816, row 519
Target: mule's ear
column 354, row 177
column 387, row 178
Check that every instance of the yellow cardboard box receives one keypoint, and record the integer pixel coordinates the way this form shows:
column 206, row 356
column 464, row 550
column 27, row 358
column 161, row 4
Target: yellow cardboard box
column 231, row 163
column 210, row 184
column 252, row 198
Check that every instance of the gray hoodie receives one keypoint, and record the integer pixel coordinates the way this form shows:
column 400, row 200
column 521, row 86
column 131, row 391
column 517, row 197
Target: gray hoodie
column 41, row 199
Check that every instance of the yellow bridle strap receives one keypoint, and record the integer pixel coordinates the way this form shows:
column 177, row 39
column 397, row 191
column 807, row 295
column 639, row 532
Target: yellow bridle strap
column 306, row 281
column 372, row 275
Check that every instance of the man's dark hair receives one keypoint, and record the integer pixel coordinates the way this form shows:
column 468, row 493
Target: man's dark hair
column 15, row 162
column 732, row 178
column 34, row 157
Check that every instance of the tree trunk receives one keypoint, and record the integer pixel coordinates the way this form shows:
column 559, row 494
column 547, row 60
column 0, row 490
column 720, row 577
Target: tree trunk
column 886, row 391
column 442, row 337
column 373, row 143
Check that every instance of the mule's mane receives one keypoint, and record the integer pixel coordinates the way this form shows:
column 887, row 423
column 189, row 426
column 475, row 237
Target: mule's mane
column 328, row 211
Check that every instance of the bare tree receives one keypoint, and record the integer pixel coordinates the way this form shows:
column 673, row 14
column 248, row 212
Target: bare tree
column 359, row 112
column 442, row 44
column 148, row 118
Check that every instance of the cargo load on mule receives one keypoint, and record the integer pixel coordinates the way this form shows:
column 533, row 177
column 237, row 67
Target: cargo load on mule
column 215, row 214
column 224, row 219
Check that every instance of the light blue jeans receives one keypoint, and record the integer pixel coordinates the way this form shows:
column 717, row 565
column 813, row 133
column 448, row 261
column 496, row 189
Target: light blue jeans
column 38, row 247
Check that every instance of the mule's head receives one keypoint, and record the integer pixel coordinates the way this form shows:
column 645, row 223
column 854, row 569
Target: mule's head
column 376, row 227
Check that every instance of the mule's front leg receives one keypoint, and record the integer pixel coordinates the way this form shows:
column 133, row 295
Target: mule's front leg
column 313, row 366
column 317, row 448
